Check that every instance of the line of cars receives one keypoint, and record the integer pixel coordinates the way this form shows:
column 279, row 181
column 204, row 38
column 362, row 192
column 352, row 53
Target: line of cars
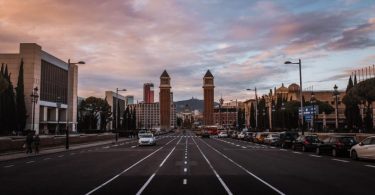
column 334, row 145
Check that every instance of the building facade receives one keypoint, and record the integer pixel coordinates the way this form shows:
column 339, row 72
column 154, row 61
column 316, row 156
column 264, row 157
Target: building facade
column 50, row 76
column 208, row 94
column 165, row 101
column 147, row 115
column 148, row 93
column 114, row 99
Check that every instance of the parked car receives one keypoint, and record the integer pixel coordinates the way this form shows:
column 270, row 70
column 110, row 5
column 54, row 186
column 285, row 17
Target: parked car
column 234, row 135
column 336, row 145
column 146, row 139
column 287, row 138
column 260, row 137
column 364, row 149
column 306, row 143
column 249, row 136
column 241, row 135
column 272, row 139
column 223, row 134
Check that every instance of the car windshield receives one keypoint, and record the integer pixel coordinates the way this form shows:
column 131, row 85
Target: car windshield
column 145, row 135
column 313, row 139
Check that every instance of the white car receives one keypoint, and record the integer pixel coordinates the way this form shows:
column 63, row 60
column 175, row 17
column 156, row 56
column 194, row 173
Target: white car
column 146, row 139
column 364, row 149
column 271, row 139
column 241, row 135
column 223, row 135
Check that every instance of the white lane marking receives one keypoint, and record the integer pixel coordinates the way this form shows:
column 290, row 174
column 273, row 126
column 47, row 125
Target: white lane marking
column 213, row 170
column 247, row 171
column 283, row 150
column 315, row 156
column 60, row 156
column 72, row 153
column 184, row 181
column 185, row 162
column 185, row 157
column 134, row 146
column 153, row 175
column 297, row 152
column 146, row 184
column 8, row 166
column 272, row 147
column 238, row 145
column 185, row 169
column 106, row 147
column 30, row 162
column 345, row 161
column 124, row 171
column 244, row 147
column 115, row 145
column 46, row 158
column 372, row 166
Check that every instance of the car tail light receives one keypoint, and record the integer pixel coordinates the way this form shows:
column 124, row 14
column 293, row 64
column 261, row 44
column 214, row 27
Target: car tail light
column 339, row 144
column 306, row 142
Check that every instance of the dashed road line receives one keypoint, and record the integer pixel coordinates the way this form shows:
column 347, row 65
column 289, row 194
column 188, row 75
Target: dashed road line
column 283, row 150
column 47, row 159
column 8, row 166
column 30, row 162
column 185, row 169
column 134, row 146
column 60, row 156
column 339, row 160
column 372, row 166
column 184, row 181
column 297, row 152
column 243, row 147
column 317, row 156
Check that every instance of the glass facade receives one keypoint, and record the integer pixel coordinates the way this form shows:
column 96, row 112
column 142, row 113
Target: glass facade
column 54, row 83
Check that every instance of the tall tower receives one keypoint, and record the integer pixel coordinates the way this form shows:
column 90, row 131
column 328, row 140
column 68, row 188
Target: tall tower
column 208, row 91
column 148, row 93
column 165, row 101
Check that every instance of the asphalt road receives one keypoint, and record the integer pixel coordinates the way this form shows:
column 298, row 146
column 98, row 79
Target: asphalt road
column 186, row 164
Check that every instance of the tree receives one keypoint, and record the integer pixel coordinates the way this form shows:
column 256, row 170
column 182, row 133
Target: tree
column 3, row 83
column 91, row 111
column 20, row 101
column 7, row 104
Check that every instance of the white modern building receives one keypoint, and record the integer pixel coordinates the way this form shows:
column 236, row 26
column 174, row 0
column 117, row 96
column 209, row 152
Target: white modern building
column 50, row 75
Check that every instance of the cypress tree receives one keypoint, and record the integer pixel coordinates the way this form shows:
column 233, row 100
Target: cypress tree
column 20, row 101
column 252, row 116
column 9, row 121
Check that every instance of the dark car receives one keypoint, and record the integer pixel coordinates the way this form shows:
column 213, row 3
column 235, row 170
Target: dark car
column 205, row 134
column 287, row 138
column 336, row 145
column 248, row 136
column 306, row 143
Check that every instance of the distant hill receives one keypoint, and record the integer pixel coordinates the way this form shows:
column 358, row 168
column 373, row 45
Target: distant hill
column 194, row 104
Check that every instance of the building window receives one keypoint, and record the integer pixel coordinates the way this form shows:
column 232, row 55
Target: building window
column 54, row 83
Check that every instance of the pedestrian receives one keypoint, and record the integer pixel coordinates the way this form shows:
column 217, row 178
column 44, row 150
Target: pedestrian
column 29, row 142
column 36, row 143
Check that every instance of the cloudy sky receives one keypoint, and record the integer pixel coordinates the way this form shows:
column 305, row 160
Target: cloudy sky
column 243, row 43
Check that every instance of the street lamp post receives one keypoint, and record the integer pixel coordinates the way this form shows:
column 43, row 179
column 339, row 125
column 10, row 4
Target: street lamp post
column 34, row 99
column 336, row 95
column 67, row 102
column 116, row 125
column 300, row 88
column 283, row 113
column 58, row 104
column 236, row 114
column 273, row 117
column 256, row 106
column 264, row 118
column 313, row 102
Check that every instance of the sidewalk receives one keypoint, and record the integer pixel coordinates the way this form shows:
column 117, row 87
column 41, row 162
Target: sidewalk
column 44, row 151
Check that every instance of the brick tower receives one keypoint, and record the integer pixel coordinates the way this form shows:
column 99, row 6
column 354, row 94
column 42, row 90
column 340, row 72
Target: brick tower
column 165, row 101
column 208, row 91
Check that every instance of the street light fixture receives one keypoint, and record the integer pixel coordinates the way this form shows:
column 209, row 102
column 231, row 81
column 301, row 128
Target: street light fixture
column 116, row 119
column 336, row 94
column 34, row 99
column 67, row 102
column 256, row 106
column 300, row 88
